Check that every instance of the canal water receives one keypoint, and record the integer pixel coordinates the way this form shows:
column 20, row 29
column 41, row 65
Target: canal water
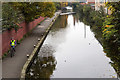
column 71, row 51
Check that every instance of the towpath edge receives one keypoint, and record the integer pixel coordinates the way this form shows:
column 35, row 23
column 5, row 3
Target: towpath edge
column 36, row 50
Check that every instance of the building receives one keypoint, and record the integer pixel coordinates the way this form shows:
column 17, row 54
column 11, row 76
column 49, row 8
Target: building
column 91, row 3
column 83, row 3
column 101, row 3
column 67, row 9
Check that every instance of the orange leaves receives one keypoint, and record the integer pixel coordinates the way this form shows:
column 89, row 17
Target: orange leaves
column 17, row 24
column 107, row 26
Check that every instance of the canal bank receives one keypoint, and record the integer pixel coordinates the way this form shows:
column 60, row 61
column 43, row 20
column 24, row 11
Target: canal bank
column 12, row 66
column 36, row 50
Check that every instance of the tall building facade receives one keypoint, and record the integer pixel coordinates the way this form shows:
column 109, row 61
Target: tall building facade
column 101, row 3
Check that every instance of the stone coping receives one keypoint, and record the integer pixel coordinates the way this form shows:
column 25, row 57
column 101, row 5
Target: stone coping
column 35, row 51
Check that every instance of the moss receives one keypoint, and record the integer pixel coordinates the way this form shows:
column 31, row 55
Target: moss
column 5, row 54
column 18, row 42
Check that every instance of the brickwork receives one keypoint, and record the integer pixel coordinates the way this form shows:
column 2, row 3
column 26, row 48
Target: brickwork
column 25, row 28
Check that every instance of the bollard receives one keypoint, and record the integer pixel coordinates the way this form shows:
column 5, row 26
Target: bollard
column 38, row 39
column 34, row 46
column 28, row 55
column 53, row 20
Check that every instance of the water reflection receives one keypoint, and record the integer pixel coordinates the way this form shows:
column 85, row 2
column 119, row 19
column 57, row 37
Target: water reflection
column 73, row 46
column 80, row 54
column 112, row 52
column 44, row 64
column 110, row 48
column 61, row 22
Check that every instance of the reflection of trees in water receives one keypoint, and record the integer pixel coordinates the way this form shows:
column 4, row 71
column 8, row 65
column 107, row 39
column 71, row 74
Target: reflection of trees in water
column 76, row 18
column 110, row 48
column 61, row 22
column 43, row 65
column 58, row 30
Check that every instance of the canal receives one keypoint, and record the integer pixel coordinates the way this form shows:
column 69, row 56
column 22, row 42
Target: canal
column 71, row 50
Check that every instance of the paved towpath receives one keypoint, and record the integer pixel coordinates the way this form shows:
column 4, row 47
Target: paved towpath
column 11, row 67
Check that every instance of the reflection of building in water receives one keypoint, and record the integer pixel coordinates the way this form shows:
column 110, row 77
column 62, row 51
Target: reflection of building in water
column 76, row 17
column 63, row 22
column 74, row 20
column 84, row 31
column 43, row 65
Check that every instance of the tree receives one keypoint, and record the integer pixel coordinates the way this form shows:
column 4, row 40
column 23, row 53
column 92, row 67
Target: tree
column 58, row 5
column 111, row 31
column 113, row 21
column 10, row 16
column 35, row 9
column 15, row 12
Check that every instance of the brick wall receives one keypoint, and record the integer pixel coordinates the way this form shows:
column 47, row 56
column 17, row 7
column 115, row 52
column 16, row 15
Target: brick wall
column 25, row 28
